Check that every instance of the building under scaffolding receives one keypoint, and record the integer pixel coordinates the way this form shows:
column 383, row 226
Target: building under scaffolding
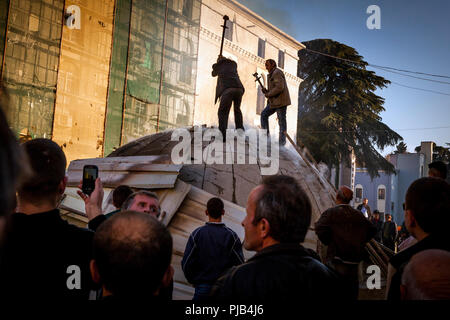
column 95, row 75
column 95, row 88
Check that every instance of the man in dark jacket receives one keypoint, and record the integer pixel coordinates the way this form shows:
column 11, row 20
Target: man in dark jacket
column 230, row 90
column 45, row 257
column 345, row 231
column 210, row 251
column 378, row 224
column 365, row 208
column 389, row 232
column 278, row 217
column 427, row 207
column 278, row 99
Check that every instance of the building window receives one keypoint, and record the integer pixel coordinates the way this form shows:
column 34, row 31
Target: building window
column 187, row 8
column 229, row 30
column 381, row 193
column 186, row 70
column 358, row 193
column 261, row 48
column 281, row 59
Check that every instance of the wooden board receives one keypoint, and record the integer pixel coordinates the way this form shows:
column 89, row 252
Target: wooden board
column 171, row 200
column 127, row 166
column 140, row 180
column 163, row 159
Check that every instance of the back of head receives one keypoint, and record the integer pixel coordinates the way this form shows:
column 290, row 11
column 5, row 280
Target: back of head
column 344, row 195
column 286, row 207
column 132, row 252
column 120, row 194
column 48, row 165
column 438, row 169
column 427, row 276
column 215, row 207
column 429, row 200
column 272, row 62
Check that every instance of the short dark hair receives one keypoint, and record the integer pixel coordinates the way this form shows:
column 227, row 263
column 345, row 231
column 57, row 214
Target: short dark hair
column 132, row 251
column 120, row 194
column 272, row 62
column 429, row 200
column 215, row 207
column 129, row 200
column 344, row 198
column 287, row 208
column 48, row 165
column 439, row 166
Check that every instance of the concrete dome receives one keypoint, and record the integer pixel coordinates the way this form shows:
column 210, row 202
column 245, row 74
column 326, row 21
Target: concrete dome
column 233, row 182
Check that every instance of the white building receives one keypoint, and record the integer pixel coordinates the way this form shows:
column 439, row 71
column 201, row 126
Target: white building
column 250, row 40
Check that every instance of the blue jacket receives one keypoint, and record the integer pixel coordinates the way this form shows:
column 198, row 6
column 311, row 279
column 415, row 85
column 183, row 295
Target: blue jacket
column 210, row 251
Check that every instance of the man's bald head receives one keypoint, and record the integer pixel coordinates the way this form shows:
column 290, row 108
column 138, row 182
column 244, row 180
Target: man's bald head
column 344, row 195
column 132, row 252
column 427, row 276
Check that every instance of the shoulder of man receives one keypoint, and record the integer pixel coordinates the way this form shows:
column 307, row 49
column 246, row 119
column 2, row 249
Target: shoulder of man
column 278, row 73
column 81, row 234
column 230, row 231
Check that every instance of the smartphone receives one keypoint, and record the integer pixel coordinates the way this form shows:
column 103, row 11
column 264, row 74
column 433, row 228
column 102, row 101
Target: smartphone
column 90, row 174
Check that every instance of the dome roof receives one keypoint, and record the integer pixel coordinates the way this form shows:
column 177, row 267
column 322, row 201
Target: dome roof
column 233, row 182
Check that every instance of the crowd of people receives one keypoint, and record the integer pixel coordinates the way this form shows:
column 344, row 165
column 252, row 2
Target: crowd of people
column 127, row 254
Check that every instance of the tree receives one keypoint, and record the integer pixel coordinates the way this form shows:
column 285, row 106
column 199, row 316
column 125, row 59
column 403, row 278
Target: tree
column 338, row 109
column 401, row 148
column 440, row 153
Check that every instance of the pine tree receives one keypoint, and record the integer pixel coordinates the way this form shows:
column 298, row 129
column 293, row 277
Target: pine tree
column 401, row 148
column 338, row 109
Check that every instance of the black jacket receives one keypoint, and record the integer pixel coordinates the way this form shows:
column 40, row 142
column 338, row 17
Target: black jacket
column 279, row 272
column 401, row 259
column 378, row 224
column 227, row 76
column 39, row 251
column 211, row 250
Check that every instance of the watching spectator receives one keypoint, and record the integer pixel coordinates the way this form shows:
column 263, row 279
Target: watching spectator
column 278, row 217
column 427, row 276
column 132, row 253
column 120, row 194
column 345, row 231
column 210, row 250
column 365, row 208
column 378, row 224
column 437, row 169
column 389, row 232
column 45, row 257
column 427, row 219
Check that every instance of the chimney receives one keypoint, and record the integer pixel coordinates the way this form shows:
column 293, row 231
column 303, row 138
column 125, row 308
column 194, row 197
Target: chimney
column 426, row 147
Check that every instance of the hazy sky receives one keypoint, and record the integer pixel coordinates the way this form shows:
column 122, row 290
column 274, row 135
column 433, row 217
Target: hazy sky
column 414, row 35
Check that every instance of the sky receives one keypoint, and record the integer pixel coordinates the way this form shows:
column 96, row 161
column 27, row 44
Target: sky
column 414, row 35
